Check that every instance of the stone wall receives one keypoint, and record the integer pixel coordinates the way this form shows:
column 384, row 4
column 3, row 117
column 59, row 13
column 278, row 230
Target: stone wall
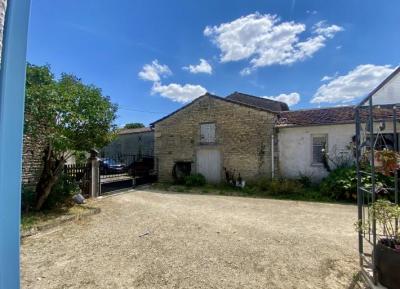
column 32, row 155
column 243, row 137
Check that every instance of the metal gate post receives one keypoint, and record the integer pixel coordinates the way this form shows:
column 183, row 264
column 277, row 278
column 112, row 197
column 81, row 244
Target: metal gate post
column 12, row 93
column 359, row 191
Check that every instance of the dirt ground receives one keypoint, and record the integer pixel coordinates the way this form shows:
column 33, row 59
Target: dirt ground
column 144, row 239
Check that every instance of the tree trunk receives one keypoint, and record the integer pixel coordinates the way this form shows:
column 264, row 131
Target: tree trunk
column 52, row 169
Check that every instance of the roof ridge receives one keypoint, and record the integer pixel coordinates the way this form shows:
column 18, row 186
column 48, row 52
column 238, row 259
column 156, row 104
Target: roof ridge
column 319, row 108
column 218, row 98
column 258, row 97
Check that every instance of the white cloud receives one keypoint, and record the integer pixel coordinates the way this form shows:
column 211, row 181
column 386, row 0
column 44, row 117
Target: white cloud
column 154, row 71
column 290, row 98
column 202, row 67
column 328, row 31
column 329, row 77
column 312, row 12
column 177, row 92
column 356, row 83
column 265, row 40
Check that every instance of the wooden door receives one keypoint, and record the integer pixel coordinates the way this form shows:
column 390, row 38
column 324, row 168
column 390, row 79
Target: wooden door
column 209, row 164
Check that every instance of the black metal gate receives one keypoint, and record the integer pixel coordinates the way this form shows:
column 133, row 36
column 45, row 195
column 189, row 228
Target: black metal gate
column 79, row 174
column 123, row 171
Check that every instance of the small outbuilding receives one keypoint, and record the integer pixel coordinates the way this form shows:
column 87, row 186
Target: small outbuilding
column 131, row 141
column 216, row 136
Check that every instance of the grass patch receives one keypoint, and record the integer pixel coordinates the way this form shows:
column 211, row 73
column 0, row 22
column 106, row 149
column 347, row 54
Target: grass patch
column 33, row 219
column 275, row 189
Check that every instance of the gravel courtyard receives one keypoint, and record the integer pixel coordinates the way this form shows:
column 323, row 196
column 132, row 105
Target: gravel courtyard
column 144, row 239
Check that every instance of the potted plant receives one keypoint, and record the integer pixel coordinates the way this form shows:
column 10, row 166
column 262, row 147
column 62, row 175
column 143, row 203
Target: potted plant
column 387, row 250
column 387, row 161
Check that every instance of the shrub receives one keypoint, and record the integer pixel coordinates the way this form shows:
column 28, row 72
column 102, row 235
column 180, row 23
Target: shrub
column 285, row 187
column 277, row 187
column 341, row 183
column 27, row 198
column 305, row 180
column 61, row 194
column 194, row 180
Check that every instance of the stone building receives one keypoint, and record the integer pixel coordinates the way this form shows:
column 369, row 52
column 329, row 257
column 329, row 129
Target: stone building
column 131, row 141
column 214, row 135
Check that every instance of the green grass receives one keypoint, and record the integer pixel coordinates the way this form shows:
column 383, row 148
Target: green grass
column 311, row 193
column 33, row 219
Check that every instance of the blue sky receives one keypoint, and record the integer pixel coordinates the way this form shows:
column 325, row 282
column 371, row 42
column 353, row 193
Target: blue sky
column 310, row 53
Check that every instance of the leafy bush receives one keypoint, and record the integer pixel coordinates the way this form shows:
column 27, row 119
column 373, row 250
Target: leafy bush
column 341, row 183
column 61, row 194
column 27, row 198
column 194, row 180
column 277, row 187
column 305, row 180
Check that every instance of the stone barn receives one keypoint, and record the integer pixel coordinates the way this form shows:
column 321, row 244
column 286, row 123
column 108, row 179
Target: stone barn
column 214, row 135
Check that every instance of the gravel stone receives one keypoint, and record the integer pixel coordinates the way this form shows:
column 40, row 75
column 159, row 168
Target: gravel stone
column 144, row 239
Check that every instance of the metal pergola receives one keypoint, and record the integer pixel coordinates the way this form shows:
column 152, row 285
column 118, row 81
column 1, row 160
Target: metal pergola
column 374, row 115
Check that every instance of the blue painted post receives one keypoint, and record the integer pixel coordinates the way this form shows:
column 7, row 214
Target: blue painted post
column 12, row 92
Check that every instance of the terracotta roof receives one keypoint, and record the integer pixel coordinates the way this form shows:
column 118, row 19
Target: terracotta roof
column 134, row 130
column 331, row 115
column 260, row 102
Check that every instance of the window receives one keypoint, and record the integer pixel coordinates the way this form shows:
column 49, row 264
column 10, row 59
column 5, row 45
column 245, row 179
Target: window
column 319, row 143
column 207, row 133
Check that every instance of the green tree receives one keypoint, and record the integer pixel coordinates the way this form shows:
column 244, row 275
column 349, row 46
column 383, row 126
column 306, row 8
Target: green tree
column 134, row 125
column 69, row 116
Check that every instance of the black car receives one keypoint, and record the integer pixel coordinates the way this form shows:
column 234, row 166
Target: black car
column 111, row 166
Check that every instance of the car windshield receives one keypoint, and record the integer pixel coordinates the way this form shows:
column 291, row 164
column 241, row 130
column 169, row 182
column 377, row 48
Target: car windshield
column 111, row 162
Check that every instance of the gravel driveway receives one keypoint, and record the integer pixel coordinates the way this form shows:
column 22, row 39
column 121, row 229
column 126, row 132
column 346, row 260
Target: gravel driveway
column 145, row 239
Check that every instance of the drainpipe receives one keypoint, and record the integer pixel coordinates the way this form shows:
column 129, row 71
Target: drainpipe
column 272, row 156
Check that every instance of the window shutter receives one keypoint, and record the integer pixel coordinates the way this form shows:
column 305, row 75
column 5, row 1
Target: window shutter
column 207, row 133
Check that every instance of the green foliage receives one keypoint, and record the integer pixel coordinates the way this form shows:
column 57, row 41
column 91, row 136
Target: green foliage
column 27, row 198
column 305, row 180
column 277, row 187
column 80, row 157
column 61, row 194
column 194, row 180
column 134, row 125
column 69, row 114
column 341, row 183
column 386, row 213
column 262, row 187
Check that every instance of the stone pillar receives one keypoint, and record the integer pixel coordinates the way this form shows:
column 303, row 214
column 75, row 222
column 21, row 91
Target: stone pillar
column 94, row 185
